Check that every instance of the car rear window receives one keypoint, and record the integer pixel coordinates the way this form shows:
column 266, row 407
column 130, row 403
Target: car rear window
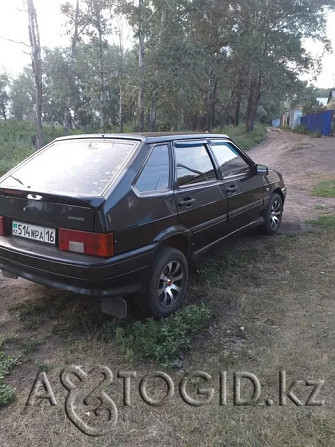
column 84, row 166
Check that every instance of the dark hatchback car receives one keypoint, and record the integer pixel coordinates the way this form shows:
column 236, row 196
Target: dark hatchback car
column 123, row 215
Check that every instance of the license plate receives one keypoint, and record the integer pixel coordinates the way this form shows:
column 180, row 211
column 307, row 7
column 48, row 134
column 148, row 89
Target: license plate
column 34, row 232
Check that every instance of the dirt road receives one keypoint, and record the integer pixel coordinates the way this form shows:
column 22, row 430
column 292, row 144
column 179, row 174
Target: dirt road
column 303, row 161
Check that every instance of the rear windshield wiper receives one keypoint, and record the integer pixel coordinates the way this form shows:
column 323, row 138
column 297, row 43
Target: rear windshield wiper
column 18, row 180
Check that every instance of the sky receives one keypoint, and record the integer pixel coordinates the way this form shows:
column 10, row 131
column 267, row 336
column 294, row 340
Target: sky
column 13, row 25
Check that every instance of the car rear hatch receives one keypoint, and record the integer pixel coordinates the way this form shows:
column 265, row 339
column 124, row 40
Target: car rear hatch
column 55, row 197
column 43, row 218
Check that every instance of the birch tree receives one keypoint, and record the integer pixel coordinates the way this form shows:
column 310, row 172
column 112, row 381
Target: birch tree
column 36, row 62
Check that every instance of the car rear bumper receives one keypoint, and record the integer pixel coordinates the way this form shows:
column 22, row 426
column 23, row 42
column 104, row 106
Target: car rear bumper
column 120, row 275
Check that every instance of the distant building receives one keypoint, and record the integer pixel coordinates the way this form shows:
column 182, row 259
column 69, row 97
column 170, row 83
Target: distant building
column 276, row 122
column 331, row 99
column 322, row 101
column 291, row 118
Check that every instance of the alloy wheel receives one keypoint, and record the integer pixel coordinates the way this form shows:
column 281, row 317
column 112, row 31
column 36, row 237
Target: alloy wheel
column 170, row 283
column 275, row 215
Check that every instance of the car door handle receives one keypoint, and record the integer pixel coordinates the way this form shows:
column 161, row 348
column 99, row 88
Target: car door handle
column 231, row 188
column 187, row 201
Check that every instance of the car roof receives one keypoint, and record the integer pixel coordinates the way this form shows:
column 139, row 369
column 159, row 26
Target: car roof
column 147, row 137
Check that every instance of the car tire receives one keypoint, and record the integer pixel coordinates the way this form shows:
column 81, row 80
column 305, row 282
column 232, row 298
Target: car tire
column 273, row 215
column 167, row 283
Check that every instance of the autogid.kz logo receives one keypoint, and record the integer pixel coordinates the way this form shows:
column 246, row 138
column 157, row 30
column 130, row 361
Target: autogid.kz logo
column 90, row 407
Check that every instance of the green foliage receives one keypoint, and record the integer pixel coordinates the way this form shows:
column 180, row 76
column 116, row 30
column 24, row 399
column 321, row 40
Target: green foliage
column 4, row 95
column 161, row 340
column 16, row 143
column 325, row 188
column 17, row 139
column 327, row 221
column 246, row 140
column 7, row 362
column 7, row 394
column 301, row 128
column 206, row 64
column 42, row 366
column 22, row 96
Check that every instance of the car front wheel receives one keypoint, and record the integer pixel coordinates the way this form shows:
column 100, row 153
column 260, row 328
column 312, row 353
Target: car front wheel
column 167, row 282
column 273, row 215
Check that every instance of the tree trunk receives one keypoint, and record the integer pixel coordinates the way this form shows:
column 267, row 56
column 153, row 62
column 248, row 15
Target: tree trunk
column 4, row 111
column 211, row 102
column 120, row 108
column 141, row 66
column 36, row 61
column 154, row 99
column 102, row 77
column 121, row 74
column 67, row 115
column 153, row 111
column 234, row 103
column 253, row 100
column 236, row 108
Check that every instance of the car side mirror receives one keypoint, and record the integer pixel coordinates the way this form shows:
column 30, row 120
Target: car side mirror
column 262, row 170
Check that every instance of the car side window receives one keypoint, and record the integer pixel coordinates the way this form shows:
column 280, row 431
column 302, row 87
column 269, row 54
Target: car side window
column 156, row 172
column 230, row 161
column 194, row 164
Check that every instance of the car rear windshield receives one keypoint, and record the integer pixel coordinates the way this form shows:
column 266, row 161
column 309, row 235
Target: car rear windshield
column 83, row 166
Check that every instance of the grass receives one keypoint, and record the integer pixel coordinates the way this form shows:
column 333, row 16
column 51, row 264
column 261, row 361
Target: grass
column 17, row 141
column 28, row 313
column 246, row 140
column 42, row 366
column 287, row 319
column 301, row 128
column 7, row 363
column 300, row 147
column 31, row 345
column 160, row 340
column 210, row 270
column 325, row 188
column 327, row 221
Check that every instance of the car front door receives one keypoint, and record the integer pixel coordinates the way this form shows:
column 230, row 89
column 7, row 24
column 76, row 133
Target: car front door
column 199, row 194
column 244, row 188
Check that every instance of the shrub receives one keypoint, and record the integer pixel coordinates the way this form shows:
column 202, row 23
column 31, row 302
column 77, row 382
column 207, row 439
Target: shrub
column 301, row 128
column 161, row 340
column 246, row 140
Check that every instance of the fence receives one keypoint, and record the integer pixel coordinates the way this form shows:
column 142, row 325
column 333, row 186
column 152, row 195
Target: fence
column 320, row 121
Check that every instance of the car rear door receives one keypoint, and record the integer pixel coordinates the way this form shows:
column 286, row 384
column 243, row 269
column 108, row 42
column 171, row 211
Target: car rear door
column 199, row 193
column 244, row 188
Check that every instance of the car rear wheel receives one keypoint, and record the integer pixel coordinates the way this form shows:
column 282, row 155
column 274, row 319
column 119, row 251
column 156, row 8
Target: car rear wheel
column 273, row 215
column 167, row 283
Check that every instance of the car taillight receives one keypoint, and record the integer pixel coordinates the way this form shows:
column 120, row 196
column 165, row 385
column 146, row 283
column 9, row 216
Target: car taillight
column 2, row 226
column 98, row 244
